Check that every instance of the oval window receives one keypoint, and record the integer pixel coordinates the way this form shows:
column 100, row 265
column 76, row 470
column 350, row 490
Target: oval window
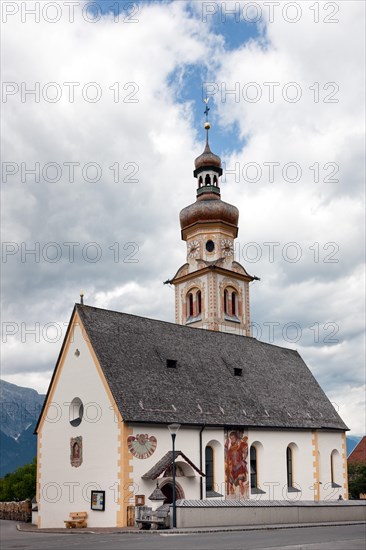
column 210, row 245
column 76, row 411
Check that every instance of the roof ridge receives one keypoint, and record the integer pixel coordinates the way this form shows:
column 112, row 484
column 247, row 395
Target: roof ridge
column 185, row 327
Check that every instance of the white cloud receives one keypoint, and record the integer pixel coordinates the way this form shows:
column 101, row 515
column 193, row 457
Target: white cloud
column 158, row 134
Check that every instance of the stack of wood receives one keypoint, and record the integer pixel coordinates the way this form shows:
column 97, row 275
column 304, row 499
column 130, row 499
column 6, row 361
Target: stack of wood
column 17, row 511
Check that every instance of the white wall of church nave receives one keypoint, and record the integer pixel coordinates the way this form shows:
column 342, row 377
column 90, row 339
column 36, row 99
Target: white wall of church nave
column 271, row 463
column 64, row 488
column 327, row 443
column 272, row 470
column 187, row 441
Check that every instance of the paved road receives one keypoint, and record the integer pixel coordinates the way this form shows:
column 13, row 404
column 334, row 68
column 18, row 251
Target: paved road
column 350, row 537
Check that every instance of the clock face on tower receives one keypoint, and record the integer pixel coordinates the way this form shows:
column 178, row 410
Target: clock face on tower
column 193, row 249
column 227, row 247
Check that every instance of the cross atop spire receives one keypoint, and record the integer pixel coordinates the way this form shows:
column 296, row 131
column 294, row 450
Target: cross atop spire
column 206, row 111
column 207, row 124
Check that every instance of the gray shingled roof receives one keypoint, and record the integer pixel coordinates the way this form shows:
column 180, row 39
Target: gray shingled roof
column 167, row 461
column 276, row 388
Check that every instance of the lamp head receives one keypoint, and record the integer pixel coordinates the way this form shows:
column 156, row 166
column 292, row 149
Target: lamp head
column 173, row 428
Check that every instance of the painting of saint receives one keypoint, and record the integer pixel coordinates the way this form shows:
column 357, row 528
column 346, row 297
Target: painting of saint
column 236, row 466
column 76, row 451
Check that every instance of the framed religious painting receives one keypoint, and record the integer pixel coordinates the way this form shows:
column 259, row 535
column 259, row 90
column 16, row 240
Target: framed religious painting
column 98, row 501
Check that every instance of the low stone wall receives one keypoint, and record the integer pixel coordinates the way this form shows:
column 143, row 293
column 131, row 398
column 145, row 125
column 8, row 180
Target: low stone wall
column 190, row 514
column 17, row 511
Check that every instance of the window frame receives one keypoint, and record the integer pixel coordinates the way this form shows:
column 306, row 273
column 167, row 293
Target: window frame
column 210, row 478
column 255, row 461
column 290, row 467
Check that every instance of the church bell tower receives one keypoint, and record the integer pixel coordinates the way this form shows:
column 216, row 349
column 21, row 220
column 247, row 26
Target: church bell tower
column 211, row 288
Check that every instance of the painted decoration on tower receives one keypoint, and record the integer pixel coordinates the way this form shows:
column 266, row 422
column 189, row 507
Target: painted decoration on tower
column 76, row 451
column 236, row 464
column 142, row 445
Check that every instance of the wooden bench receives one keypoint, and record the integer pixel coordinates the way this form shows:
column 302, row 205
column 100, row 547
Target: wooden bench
column 77, row 521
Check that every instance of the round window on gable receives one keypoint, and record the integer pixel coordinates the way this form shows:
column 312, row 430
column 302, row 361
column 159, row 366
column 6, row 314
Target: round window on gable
column 210, row 245
column 76, row 412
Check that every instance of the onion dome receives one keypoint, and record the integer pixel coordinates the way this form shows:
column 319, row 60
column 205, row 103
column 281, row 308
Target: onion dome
column 208, row 210
column 207, row 159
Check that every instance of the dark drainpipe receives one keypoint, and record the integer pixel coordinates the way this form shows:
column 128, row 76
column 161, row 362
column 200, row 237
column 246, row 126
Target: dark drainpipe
column 201, row 463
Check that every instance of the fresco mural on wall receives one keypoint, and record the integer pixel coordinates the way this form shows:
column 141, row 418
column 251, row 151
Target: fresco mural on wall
column 142, row 446
column 236, row 464
column 76, row 451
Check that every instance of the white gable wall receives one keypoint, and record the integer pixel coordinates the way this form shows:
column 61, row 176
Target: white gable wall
column 64, row 488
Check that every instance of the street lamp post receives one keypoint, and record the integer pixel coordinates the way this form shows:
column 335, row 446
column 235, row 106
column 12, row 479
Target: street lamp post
column 173, row 428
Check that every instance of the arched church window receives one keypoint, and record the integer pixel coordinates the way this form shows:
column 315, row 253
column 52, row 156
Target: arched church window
column 234, row 305
column 207, row 179
column 334, row 467
column 289, row 464
column 253, row 467
column 226, row 301
column 209, row 461
column 190, row 305
column 200, row 181
column 199, row 302
column 215, row 180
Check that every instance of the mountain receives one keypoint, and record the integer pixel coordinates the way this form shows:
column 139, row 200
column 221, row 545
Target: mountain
column 20, row 408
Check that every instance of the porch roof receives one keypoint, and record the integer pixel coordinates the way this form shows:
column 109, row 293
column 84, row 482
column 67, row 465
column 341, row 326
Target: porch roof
column 166, row 461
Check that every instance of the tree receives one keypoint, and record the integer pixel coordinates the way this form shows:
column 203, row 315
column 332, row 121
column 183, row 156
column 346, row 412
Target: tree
column 357, row 479
column 20, row 484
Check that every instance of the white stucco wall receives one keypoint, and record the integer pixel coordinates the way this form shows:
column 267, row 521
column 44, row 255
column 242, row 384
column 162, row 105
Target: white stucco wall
column 271, row 463
column 272, row 471
column 64, row 488
column 328, row 442
column 271, row 455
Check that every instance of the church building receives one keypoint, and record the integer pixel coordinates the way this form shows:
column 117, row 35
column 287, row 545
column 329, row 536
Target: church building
column 254, row 423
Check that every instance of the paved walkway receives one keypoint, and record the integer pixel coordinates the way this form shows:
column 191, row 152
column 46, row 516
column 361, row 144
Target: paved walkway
column 29, row 527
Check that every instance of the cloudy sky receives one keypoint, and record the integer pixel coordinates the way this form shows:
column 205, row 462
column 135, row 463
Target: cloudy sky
column 102, row 119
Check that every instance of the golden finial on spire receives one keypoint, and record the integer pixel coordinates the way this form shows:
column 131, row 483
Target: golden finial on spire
column 81, row 297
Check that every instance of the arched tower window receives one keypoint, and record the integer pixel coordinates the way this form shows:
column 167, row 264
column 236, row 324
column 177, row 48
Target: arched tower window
column 234, row 304
column 207, row 179
column 209, row 461
column 226, row 302
column 200, row 181
column 253, row 468
column 289, row 465
column 199, row 302
column 190, row 305
column 215, row 180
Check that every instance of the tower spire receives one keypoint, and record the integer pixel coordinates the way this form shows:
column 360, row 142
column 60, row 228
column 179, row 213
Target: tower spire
column 208, row 166
column 212, row 289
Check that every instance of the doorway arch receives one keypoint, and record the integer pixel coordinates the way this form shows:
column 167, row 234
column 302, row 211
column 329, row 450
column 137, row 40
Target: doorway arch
column 166, row 487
